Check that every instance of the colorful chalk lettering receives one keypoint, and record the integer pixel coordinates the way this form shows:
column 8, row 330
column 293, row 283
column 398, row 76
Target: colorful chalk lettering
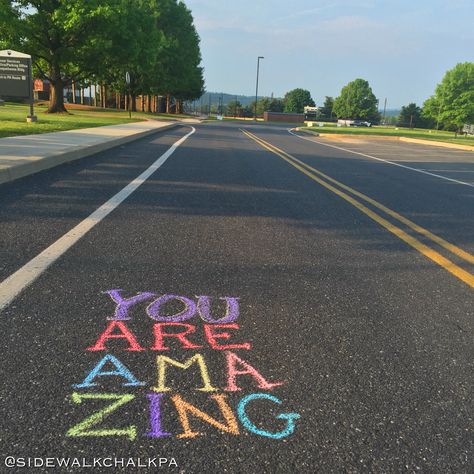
column 83, row 428
column 120, row 371
column 212, row 336
column 183, row 408
column 155, row 416
column 123, row 304
column 203, row 307
column 153, row 309
column 245, row 420
column 161, row 334
column 233, row 361
column 162, row 361
column 232, row 309
column 217, row 333
column 124, row 333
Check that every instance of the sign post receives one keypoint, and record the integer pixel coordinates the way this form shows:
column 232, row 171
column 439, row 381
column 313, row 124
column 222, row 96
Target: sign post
column 16, row 78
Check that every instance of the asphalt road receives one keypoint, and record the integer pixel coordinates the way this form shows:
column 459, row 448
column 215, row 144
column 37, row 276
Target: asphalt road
column 349, row 349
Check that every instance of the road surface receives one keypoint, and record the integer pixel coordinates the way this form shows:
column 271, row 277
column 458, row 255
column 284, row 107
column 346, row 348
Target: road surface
column 256, row 301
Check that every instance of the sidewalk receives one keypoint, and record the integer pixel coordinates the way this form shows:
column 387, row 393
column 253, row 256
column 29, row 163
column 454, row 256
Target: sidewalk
column 24, row 155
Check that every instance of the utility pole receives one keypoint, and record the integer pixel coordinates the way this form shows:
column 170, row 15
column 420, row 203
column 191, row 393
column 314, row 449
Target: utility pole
column 384, row 110
column 209, row 111
column 256, row 87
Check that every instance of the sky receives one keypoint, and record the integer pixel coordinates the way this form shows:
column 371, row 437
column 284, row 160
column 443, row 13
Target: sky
column 402, row 47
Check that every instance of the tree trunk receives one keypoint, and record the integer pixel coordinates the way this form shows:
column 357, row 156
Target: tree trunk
column 73, row 88
column 168, row 104
column 82, row 96
column 148, row 103
column 142, row 103
column 56, row 98
column 103, row 94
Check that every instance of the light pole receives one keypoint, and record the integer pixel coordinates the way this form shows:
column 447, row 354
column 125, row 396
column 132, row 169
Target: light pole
column 256, row 87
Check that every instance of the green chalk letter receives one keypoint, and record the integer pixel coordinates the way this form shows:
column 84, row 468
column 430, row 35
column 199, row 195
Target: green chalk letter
column 82, row 428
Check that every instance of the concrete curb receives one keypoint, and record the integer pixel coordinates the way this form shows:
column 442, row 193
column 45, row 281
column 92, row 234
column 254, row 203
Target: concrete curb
column 19, row 171
column 435, row 143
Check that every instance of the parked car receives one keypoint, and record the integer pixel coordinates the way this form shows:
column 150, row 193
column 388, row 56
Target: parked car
column 360, row 123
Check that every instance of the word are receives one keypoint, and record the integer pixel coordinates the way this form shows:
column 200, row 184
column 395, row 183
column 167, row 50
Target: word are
column 180, row 332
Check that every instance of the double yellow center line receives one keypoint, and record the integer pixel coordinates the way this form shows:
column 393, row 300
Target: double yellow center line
column 349, row 194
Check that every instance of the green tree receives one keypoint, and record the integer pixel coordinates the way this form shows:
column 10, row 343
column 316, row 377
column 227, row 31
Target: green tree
column 267, row 104
column 410, row 116
column 296, row 99
column 131, row 42
column 452, row 104
column 179, row 72
column 90, row 41
column 9, row 25
column 276, row 105
column 61, row 36
column 357, row 101
column 327, row 109
column 234, row 107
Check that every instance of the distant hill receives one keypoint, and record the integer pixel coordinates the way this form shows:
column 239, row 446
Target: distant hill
column 248, row 99
column 391, row 112
column 243, row 99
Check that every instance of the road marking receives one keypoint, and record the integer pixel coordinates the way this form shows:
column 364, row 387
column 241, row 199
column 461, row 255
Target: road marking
column 28, row 273
column 428, row 252
column 385, row 161
column 438, row 240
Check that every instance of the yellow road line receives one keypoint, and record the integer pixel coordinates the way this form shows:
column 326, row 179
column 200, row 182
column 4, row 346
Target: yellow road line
column 438, row 240
column 428, row 252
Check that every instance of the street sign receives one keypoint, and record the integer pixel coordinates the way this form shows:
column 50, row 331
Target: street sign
column 15, row 75
column 127, row 78
column 16, row 78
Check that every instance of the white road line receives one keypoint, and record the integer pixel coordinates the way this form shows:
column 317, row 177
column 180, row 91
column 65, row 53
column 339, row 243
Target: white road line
column 29, row 272
column 385, row 161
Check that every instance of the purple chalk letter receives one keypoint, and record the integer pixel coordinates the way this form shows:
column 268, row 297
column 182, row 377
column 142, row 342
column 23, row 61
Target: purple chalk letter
column 155, row 416
column 123, row 304
column 231, row 314
column 188, row 312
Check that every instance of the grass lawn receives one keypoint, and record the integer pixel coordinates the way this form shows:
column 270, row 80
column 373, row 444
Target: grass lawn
column 13, row 119
column 423, row 134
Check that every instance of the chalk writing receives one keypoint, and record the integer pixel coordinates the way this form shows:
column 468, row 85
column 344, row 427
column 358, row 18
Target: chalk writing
column 175, row 326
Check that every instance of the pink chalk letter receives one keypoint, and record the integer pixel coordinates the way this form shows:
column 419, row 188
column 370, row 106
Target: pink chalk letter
column 246, row 369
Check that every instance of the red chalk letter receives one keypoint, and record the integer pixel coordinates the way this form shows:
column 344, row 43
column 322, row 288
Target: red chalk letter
column 160, row 335
column 125, row 333
column 232, row 372
column 212, row 336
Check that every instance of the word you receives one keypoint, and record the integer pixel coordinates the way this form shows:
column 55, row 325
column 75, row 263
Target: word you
column 170, row 332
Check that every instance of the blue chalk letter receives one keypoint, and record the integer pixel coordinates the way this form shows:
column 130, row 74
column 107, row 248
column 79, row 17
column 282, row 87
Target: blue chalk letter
column 290, row 417
column 120, row 370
